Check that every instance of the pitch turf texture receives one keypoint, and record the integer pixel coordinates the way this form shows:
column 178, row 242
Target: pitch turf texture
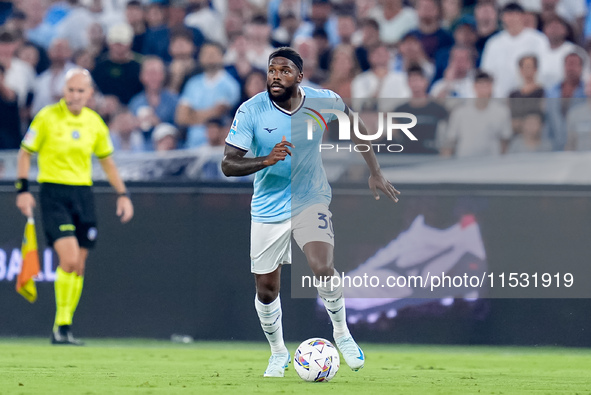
column 32, row 366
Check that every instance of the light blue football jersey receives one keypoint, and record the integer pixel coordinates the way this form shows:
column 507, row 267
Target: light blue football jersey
column 288, row 187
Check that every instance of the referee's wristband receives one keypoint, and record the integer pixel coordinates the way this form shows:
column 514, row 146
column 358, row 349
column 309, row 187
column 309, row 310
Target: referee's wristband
column 21, row 185
column 126, row 194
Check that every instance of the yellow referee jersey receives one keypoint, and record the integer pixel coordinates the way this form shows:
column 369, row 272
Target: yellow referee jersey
column 65, row 143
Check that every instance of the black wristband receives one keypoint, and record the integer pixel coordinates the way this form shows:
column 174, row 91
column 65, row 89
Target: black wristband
column 126, row 194
column 22, row 185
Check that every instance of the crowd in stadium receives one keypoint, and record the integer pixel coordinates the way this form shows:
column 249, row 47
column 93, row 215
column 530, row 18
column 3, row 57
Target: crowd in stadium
column 170, row 74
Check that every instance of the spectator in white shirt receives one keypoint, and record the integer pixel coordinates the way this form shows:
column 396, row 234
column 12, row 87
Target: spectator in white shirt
column 458, row 78
column 378, row 82
column 258, row 34
column 207, row 20
column 558, row 31
column 395, row 20
column 75, row 26
column 49, row 84
column 308, row 49
column 573, row 11
column 19, row 76
column 503, row 51
column 480, row 127
column 410, row 52
column 254, row 48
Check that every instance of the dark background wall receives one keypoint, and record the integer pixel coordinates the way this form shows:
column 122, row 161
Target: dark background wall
column 182, row 266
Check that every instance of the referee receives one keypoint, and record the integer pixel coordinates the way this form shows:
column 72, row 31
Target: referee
column 66, row 135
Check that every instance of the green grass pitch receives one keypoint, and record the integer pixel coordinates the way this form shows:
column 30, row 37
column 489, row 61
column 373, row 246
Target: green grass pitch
column 32, row 366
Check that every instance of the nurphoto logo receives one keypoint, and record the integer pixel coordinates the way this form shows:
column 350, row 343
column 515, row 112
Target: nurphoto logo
column 392, row 120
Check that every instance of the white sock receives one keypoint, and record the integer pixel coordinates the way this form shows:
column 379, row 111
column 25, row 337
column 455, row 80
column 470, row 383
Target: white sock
column 270, row 317
column 334, row 302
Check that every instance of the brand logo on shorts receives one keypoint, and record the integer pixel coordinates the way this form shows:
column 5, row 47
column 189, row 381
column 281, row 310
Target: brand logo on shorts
column 92, row 233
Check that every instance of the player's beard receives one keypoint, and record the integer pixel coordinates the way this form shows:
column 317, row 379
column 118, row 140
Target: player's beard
column 283, row 97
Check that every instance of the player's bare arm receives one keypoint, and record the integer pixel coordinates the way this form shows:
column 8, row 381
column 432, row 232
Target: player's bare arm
column 235, row 164
column 24, row 200
column 376, row 178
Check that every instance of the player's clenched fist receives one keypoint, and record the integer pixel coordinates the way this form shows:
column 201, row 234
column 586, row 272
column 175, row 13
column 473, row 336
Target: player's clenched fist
column 279, row 152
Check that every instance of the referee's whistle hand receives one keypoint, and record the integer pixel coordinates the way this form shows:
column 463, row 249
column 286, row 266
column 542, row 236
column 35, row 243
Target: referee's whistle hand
column 25, row 203
column 124, row 209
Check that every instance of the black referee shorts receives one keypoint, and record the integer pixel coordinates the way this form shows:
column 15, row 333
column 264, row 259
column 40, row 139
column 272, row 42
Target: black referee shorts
column 68, row 210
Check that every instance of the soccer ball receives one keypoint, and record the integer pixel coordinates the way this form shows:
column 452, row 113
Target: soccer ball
column 316, row 359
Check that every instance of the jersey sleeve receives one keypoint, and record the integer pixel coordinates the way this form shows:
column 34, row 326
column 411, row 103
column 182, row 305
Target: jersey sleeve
column 35, row 135
column 103, row 146
column 241, row 132
column 338, row 104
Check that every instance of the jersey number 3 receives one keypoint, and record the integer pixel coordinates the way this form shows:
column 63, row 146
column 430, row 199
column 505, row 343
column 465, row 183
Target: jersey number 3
column 326, row 223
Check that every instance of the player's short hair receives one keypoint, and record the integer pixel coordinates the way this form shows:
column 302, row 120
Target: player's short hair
column 482, row 75
column 288, row 53
column 2, row 69
column 134, row 3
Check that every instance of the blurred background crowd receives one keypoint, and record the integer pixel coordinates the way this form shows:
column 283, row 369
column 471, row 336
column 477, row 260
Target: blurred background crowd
column 483, row 77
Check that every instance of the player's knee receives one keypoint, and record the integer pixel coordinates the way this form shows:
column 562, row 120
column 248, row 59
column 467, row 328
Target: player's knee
column 321, row 266
column 267, row 287
column 267, row 291
column 267, row 296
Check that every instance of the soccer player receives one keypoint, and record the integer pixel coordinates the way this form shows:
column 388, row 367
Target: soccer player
column 65, row 135
column 281, row 206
